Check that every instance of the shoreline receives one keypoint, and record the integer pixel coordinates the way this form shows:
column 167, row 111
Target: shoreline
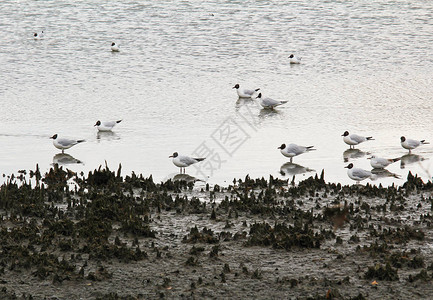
column 114, row 237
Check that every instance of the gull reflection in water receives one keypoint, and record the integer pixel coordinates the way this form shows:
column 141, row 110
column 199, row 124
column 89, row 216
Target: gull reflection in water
column 382, row 173
column 269, row 113
column 185, row 177
column 410, row 158
column 107, row 135
column 291, row 169
column 65, row 159
column 353, row 154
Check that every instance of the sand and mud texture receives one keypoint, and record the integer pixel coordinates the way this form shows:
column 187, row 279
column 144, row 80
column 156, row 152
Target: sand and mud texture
column 104, row 236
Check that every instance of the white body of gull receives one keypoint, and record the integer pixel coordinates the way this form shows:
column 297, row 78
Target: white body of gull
column 183, row 161
column 38, row 36
column 292, row 150
column 353, row 139
column 106, row 126
column 294, row 59
column 63, row 143
column 380, row 163
column 358, row 174
column 268, row 102
column 411, row 144
column 114, row 47
column 244, row 93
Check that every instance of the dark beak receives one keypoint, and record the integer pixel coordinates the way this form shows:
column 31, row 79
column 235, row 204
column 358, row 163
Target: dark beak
column 346, row 166
column 170, row 156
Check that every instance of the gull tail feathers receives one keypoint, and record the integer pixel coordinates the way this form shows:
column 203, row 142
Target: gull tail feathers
column 424, row 142
column 370, row 138
column 80, row 141
column 119, row 121
column 200, row 159
column 310, row 148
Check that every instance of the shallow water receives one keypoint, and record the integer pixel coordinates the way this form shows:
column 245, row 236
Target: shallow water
column 366, row 69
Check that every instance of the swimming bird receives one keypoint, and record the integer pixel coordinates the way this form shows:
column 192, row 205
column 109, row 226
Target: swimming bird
column 114, row 47
column 268, row 102
column 292, row 150
column 380, row 163
column 183, row 161
column 294, row 59
column 353, row 139
column 39, row 36
column 244, row 93
column 106, row 126
column 411, row 144
column 63, row 143
column 358, row 174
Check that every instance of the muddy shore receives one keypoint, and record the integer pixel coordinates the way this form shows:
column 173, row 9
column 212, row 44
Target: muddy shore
column 103, row 236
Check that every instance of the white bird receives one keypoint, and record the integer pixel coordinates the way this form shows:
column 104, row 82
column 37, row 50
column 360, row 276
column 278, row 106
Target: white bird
column 244, row 93
column 106, row 126
column 39, row 36
column 353, row 139
column 183, row 161
column 63, row 143
column 114, row 47
column 381, row 163
column 292, row 150
column 411, row 144
column 268, row 102
column 294, row 59
column 358, row 174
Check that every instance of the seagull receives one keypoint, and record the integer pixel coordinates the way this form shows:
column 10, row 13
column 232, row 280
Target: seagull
column 354, row 139
column 381, row 163
column 358, row 174
column 114, row 47
column 106, row 126
column 182, row 161
column 411, row 144
column 37, row 36
column 62, row 143
column 244, row 93
column 268, row 102
column 294, row 59
column 292, row 150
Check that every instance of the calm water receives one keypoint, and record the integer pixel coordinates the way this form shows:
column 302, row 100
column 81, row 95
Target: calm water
column 367, row 68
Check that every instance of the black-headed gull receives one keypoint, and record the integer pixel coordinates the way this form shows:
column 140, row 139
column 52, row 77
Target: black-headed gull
column 63, row 143
column 294, row 59
column 114, row 47
column 183, row 161
column 268, row 102
column 292, row 150
column 380, row 162
column 411, row 144
column 38, row 36
column 106, row 126
column 358, row 174
column 353, row 139
column 244, row 93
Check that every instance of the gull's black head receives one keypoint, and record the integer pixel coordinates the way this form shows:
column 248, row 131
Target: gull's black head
column 236, row 86
column 346, row 133
column 349, row 166
column 54, row 137
column 282, row 146
column 402, row 139
column 291, row 56
column 174, row 155
column 35, row 35
column 259, row 95
column 113, row 44
column 97, row 123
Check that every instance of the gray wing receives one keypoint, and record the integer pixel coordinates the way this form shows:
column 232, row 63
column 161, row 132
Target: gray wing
column 413, row 143
column 293, row 148
column 66, row 142
column 187, row 160
column 270, row 102
column 357, row 138
column 248, row 92
column 382, row 161
column 109, row 123
column 360, row 173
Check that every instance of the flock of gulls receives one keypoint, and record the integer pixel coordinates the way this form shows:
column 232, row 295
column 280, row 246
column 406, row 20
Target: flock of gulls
column 290, row 150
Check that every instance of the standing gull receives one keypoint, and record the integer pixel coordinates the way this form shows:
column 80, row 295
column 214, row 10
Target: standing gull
column 292, row 150
column 244, row 93
column 358, row 174
column 294, row 59
column 106, row 126
column 183, row 161
column 114, row 47
column 63, row 143
column 269, row 102
column 411, row 144
column 381, row 163
column 353, row 139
